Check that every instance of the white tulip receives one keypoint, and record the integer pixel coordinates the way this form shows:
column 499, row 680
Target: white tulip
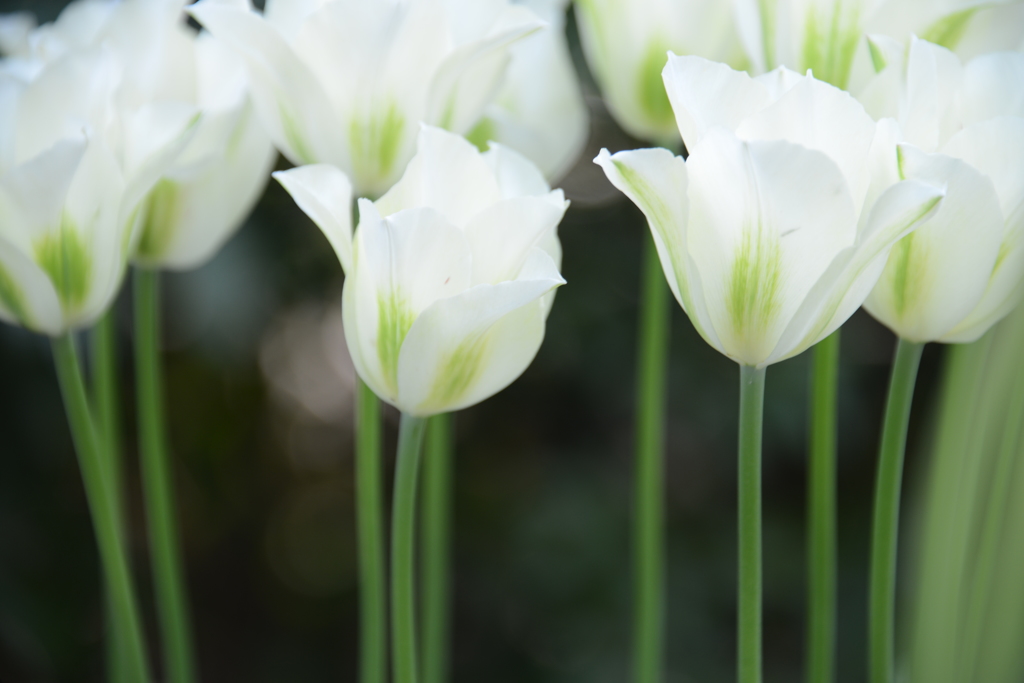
column 204, row 197
column 449, row 276
column 347, row 82
column 73, row 172
column 827, row 36
column 777, row 225
column 625, row 42
column 539, row 111
column 963, row 269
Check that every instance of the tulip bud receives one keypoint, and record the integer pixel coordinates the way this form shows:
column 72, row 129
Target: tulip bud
column 449, row 276
column 777, row 225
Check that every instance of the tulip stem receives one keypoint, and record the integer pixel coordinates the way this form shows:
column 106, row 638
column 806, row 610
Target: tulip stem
column 102, row 506
column 370, row 520
column 158, row 488
column 821, row 504
column 749, row 599
column 106, row 402
column 403, row 546
column 885, row 526
column 436, row 529
column 649, row 516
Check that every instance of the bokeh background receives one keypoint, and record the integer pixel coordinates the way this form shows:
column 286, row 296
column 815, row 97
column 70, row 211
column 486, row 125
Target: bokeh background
column 259, row 398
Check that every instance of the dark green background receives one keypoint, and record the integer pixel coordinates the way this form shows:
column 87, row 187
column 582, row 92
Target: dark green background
column 542, row 489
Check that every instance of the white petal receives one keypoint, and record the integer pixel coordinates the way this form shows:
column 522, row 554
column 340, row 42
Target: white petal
column 993, row 86
column 936, row 275
column 766, row 219
column 934, row 77
column 517, row 176
column 38, row 189
column 854, row 271
column 404, row 263
column 468, row 347
column 447, row 174
column 15, row 29
column 291, row 102
column 706, row 94
column 502, row 235
column 819, row 116
column 325, row 194
column 27, row 296
column 471, row 75
column 287, row 16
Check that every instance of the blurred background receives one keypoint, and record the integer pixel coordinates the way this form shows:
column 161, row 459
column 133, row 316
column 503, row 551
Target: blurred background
column 259, row 397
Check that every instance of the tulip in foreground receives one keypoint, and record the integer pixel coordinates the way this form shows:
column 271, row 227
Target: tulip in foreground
column 449, row 278
column 770, row 234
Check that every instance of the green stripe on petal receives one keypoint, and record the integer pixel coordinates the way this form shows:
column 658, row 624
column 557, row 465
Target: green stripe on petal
column 651, row 93
column 753, row 299
column 482, row 133
column 375, row 143
column 908, row 269
column 293, row 136
column 830, row 43
column 458, row 372
column 395, row 317
column 65, row 258
column 161, row 219
column 950, row 29
column 12, row 298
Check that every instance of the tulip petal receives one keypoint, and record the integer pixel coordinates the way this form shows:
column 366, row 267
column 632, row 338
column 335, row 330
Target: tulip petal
column 405, row 262
column 459, row 183
column 325, row 194
column 705, row 94
column 934, row 77
column 291, row 102
column 657, row 182
column 766, row 219
column 854, row 271
column 819, row 116
column 504, row 234
column 517, row 176
column 996, row 148
column 993, row 86
column 468, row 347
column 37, row 190
column 936, row 275
column 27, row 297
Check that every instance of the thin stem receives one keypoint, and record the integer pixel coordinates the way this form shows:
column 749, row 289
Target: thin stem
column 821, row 513
column 158, row 486
column 437, row 512
column 370, row 520
column 101, row 505
column 749, row 598
column 885, row 526
column 403, row 549
column 649, row 516
column 106, row 401
column 992, row 526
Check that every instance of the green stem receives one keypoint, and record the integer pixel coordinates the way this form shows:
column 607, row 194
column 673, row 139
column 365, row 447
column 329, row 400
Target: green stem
column 403, row 546
column 370, row 521
column 106, row 400
column 649, row 516
column 992, row 527
column 158, row 488
column 101, row 505
column 885, row 526
column 749, row 599
column 821, row 497
column 437, row 487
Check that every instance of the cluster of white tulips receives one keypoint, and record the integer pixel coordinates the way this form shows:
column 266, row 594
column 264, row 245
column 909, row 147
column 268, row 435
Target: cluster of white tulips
column 838, row 154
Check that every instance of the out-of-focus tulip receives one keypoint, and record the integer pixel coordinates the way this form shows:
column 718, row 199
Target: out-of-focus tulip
column 625, row 42
column 827, row 36
column 779, row 222
column 449, row 276
column 539, row 111
column 963, row 269
column 347, row 82
column 74, row 169
column 206, row 194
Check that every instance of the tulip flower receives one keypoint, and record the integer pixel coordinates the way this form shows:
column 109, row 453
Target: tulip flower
column 449, row 280
column 75, row 168
column 962, row 270
column 770, row 234
column 828, row 37
column 539, row 111
column 625, row 42
column 347, row 83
